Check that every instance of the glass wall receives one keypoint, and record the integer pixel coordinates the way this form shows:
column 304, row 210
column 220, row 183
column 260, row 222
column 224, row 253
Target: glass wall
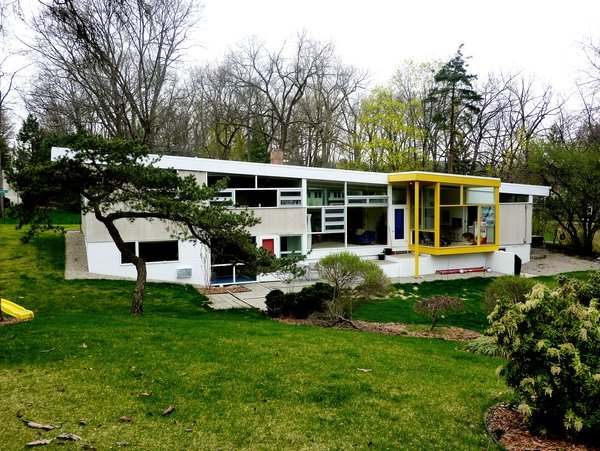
column 467, row 215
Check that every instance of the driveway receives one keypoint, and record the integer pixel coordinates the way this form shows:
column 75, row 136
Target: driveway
column 547, row 263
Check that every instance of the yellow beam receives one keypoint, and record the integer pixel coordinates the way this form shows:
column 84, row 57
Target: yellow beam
column 416, row 176
column 458, row 250
column 416, row 240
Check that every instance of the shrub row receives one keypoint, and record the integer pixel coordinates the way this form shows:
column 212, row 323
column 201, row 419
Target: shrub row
column 301, row 305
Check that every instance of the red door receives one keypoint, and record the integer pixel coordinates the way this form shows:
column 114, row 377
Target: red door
column 269, row 245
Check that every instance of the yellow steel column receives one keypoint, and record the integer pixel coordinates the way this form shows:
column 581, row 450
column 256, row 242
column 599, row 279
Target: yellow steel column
column 416, row 242
column 436, row 216
column 497, row 216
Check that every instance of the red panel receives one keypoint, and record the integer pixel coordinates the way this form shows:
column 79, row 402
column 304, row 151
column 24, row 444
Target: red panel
column 269, row 244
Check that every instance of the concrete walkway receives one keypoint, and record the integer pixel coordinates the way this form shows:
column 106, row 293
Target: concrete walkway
column 255, row 297
column 547, row 263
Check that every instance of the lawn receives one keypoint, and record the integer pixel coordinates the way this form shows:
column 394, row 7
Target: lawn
column 399, row 307
column 237, row 379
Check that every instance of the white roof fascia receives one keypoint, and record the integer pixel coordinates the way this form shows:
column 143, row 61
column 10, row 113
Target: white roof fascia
column 263, row 169
column 520, row 188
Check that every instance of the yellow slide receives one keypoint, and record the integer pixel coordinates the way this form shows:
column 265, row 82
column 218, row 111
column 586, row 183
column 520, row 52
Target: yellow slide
column 15, row 310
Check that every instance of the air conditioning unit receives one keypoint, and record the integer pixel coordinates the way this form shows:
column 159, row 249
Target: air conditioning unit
column 184, row 273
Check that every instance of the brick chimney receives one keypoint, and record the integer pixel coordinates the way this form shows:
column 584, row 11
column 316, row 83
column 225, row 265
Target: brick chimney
column 276, row 156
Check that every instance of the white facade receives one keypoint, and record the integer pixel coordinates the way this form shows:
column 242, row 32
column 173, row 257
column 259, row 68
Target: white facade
column 316, row 211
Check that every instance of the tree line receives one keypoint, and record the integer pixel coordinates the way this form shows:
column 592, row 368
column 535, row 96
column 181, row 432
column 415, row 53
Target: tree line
column 117, row 69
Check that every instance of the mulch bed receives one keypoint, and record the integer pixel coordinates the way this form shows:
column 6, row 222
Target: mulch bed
column 225, row 290
column 444, row 333
column 508, row 428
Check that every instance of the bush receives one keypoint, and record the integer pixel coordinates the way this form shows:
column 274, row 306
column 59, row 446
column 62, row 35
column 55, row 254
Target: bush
column 275, row 301
column 552, row 342
column 512, row 288
column 300, row 305
column 437, row 306
column 584, row 290
column 352, row 279
column 484, row 345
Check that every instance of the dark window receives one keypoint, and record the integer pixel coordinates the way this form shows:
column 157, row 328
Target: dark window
column 159, row 251
column 131, row 247
column 256, row 198
column 233, row 181
column 508, row 198
column 291, row 244
column 278, row 182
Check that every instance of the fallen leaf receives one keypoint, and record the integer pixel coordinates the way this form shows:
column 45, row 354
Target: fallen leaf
column 365, row 370
column 40, row 442
column 168, row 411
column 144, row 394
column 83, row 345
column 125, row 419
column 45, row 427
column 82, row 422
column 67, row 436
column 123, row 443
column 188, row 429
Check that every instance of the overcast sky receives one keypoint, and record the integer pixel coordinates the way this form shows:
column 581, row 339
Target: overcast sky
column 538, row 38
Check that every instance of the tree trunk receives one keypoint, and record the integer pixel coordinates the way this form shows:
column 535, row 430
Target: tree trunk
column 137, row 303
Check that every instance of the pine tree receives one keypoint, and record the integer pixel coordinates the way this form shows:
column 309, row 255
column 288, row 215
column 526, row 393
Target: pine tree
column 258, row 147
column 454, row 101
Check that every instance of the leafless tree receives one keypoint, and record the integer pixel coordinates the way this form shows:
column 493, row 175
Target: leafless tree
column 121, row 56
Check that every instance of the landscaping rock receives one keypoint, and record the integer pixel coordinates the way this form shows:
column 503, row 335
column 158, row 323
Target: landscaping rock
column 69, row 437
column 44, row 427
column 40, row 442
column 168, row 411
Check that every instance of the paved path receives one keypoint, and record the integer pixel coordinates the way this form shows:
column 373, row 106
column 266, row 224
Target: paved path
column 547, row 263
column 255, row 298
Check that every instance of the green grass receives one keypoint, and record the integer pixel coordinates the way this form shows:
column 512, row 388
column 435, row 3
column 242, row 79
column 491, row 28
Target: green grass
column 238, row 380
column 399, row 307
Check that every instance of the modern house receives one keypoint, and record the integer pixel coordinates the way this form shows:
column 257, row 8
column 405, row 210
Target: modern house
column 432, row 222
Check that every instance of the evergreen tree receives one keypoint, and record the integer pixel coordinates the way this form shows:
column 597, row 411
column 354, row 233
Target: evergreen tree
column 258, row 147
column 454, row 101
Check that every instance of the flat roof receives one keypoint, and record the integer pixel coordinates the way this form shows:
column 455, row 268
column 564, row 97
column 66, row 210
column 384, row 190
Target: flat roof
column 325, row 174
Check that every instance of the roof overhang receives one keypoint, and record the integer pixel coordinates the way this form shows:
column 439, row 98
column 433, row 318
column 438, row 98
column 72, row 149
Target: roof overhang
column 433, row 177
column 520, row 188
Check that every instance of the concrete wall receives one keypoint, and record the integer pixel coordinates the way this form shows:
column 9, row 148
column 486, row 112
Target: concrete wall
column 279, row 221
column 105, row 258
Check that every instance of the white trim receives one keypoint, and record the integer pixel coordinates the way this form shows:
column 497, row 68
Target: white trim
column 520, row 188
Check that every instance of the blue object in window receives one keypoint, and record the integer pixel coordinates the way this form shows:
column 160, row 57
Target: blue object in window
column 399, row 223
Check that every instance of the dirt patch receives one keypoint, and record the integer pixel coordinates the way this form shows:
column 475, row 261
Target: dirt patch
column 509, row 429
column 444, row 333
column 224, row 290
column 9, row 320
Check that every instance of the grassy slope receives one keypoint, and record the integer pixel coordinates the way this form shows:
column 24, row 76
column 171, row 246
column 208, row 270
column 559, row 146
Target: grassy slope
column 238, row 380
column 400, row 306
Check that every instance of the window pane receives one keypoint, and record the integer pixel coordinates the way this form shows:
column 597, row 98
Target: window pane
column 324, row 193
column 367, row 190
column 159, row 251
column 482, row 195
column 488, row 225
column 507, row 198
column 278, row 182
column 291, row 244
column 315, row 219
column 234, row 181
column 449, row 195
column 427, row 207
column 131, row 247
column 256, row 198
column 399, row 195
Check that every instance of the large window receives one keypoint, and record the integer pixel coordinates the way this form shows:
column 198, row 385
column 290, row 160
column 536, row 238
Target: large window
column 153, row 251
column 255, row 198
column 321, row 194
column 367, row 226
column 159, row 251
column 290, row 245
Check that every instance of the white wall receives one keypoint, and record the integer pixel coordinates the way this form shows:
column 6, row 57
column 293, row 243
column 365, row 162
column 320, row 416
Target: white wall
column 515, row 224
column 104, row 258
